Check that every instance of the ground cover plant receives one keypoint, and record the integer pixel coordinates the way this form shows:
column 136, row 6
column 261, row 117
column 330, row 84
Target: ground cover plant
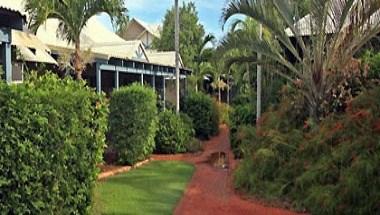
column 133, row 123
column 152, row 189
column 328, row 168
column 52, row 136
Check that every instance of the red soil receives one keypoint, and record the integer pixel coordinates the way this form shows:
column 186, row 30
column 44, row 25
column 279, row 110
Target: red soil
column 211, row 190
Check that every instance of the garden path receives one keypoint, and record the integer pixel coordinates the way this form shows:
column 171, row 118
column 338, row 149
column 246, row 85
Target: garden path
column 211, row 190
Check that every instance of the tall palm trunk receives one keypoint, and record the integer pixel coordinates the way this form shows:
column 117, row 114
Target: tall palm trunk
column 78, row 61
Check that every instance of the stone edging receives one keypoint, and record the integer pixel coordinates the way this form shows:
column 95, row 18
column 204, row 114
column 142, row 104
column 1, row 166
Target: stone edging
column 120, row 170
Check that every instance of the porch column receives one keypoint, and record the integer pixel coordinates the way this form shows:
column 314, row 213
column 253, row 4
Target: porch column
column 164, row 91
column 142, row 75
column 98, row 78
column 7, row 61
column 154, row 81
column 117, row 80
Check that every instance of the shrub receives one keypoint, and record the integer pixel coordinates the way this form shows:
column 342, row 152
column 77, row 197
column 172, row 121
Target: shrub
column 241, row 117
column 241, row 139
column 330, row 168
column 224, row 111
column 373, row 61
column 203, row 112
column 133, row 123
column 52, row 135
column 174, row 133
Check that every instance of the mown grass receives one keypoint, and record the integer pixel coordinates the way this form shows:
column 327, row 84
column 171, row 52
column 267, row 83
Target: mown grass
column 152, row 189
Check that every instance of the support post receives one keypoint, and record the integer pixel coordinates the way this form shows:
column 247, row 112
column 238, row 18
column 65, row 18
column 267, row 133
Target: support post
column 153, row 78
column 7, row 62
column 164, row 91
column 98, row 78
column 117, row 80
column 142, row 75
column 259, row 80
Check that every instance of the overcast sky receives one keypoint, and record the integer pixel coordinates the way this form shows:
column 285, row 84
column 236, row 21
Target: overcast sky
column 153, row 11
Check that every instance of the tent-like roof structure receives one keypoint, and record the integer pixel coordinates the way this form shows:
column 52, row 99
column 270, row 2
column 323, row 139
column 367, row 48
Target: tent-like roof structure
column 151, row 28
column 31, row 49
column 305, row 25
column 94, row 37
column 164, row 58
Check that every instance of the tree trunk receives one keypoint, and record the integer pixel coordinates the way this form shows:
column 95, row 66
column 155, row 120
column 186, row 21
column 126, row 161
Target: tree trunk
column 228, row 88
column 219, row 90
column 78, row 61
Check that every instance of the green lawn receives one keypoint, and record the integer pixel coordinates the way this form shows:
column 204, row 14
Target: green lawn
column 152, row 189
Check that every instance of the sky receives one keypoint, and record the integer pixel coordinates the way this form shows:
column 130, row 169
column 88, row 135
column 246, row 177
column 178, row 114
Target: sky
column 153, row 11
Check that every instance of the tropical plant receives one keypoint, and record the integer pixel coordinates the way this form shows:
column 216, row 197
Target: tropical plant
column 73, row 16
column 202, row 56
column 321, row 45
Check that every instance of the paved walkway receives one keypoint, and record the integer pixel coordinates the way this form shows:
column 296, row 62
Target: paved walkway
column 210, row 190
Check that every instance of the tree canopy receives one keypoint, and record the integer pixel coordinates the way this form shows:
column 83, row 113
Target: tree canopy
column 191, row 33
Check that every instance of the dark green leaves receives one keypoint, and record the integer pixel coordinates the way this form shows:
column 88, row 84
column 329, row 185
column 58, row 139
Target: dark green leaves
column 52, row 135
column 133, row 123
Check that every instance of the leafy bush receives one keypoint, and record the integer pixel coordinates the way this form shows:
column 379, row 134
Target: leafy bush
column 241, row 117
column 133, row 123
column 203, row 112
column 52, row 135
column 174, row 133
column 330, row 168
column 224, row 111
column 194, row 145
column 373, row 62
column 241, row 137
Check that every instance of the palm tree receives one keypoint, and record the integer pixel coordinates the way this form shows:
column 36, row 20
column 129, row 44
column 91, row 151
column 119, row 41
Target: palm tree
column 73, row 16
column 203, row 55
column 336, row 30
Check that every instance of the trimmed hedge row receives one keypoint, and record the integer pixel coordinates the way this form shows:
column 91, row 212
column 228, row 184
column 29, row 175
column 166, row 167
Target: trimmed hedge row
column 174, row 134
column 203, row 111
column 52, row 135
column 133, row 123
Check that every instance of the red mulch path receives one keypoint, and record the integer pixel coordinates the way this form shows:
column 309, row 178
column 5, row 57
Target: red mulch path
column 211, row 190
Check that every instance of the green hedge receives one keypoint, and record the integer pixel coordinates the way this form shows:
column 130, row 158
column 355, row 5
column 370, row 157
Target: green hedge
column 133, row 123
column 174, row 133
column 204, row 114
column 52, row 135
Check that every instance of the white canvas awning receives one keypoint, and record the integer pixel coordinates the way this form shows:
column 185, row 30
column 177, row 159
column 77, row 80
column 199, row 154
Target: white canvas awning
column 31, row 49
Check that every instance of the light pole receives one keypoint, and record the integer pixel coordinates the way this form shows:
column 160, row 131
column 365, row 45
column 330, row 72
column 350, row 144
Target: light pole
column 259, row 79
column 177, row 53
